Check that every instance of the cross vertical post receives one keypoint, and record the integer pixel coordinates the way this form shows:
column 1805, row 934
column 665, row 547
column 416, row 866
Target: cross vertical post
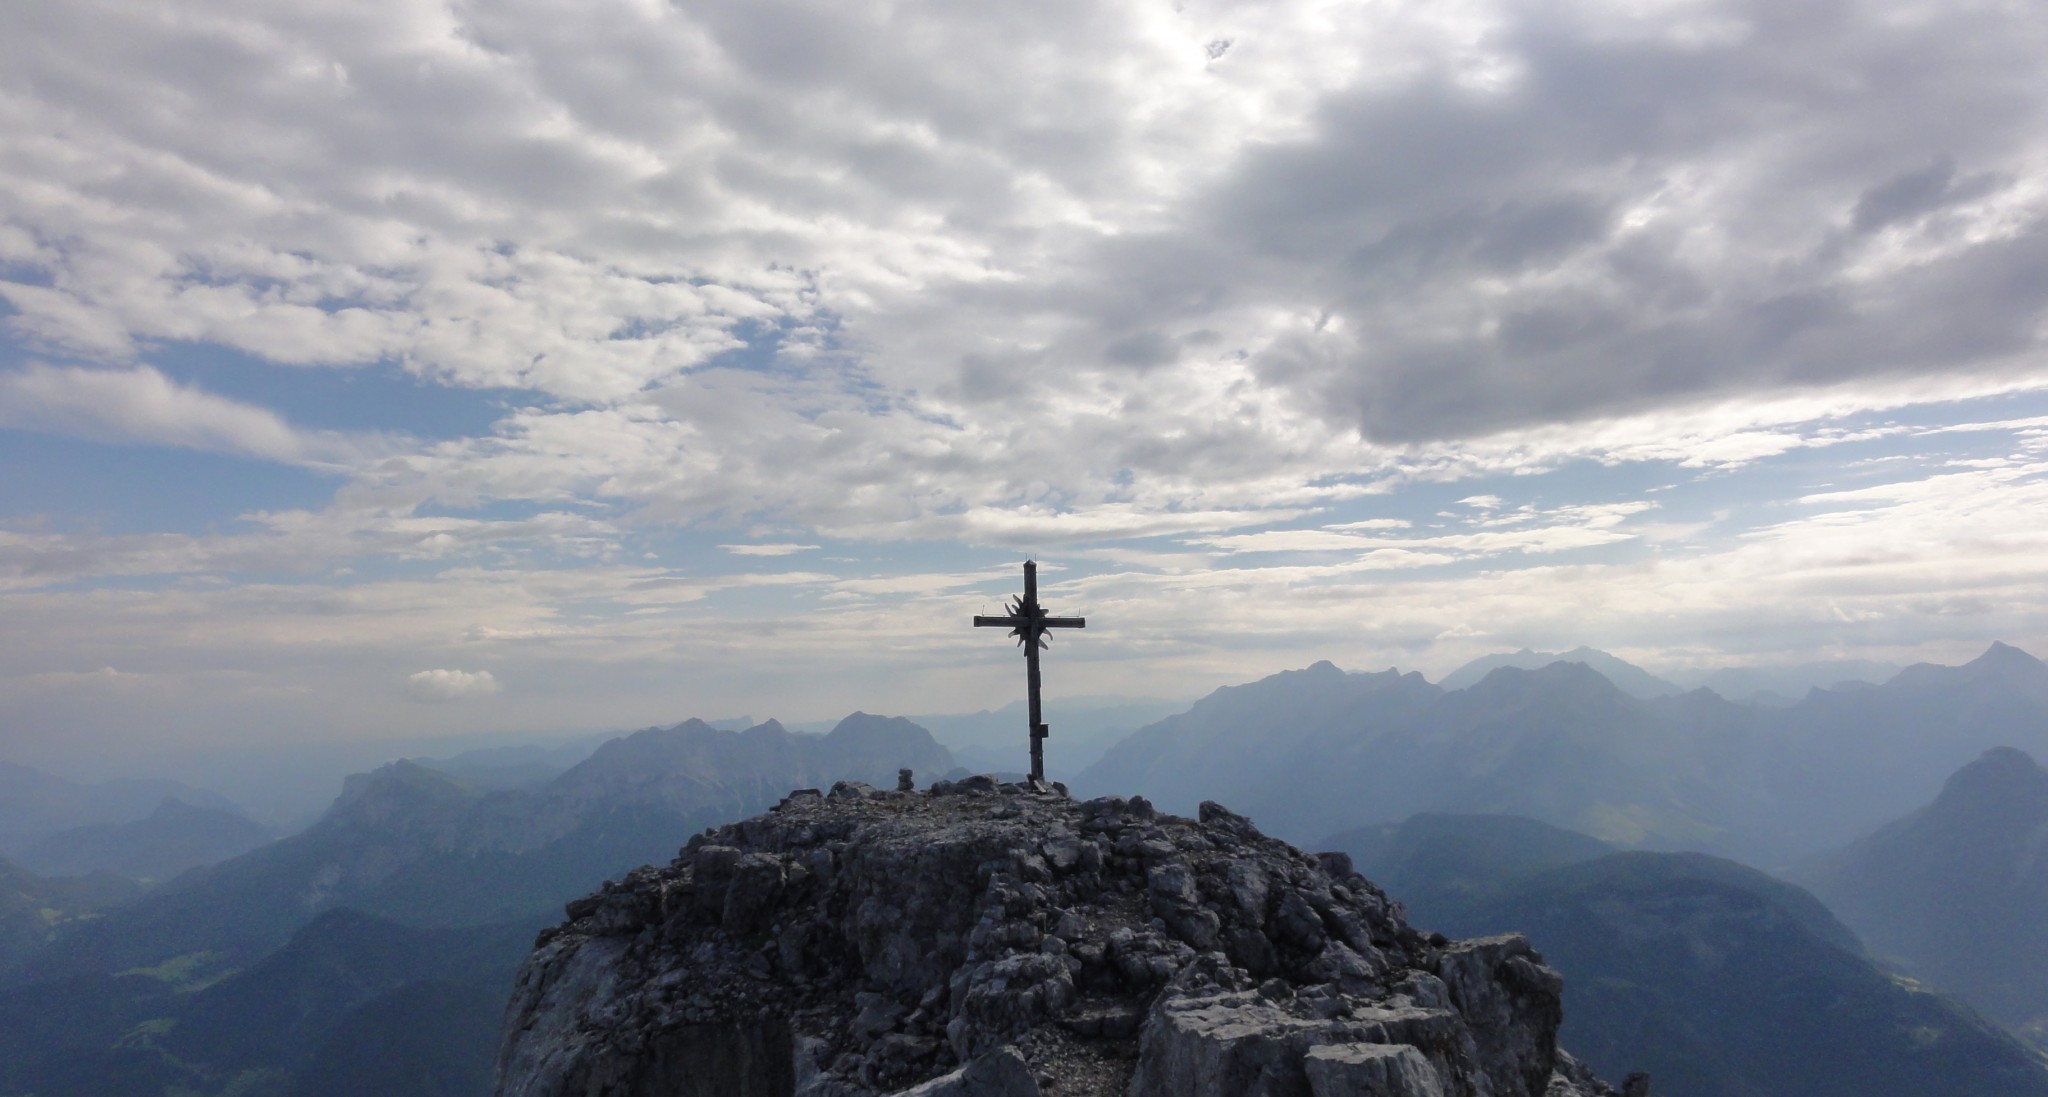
column 1039, row 730
column 1028, row 622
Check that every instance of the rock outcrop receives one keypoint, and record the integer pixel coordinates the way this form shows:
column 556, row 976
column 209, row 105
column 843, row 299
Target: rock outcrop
column 986, row 940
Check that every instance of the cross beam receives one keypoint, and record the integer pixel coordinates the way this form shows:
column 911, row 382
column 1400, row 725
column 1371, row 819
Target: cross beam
column 1027, row 621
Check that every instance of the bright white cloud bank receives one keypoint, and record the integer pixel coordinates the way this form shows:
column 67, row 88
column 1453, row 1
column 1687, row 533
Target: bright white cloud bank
column 450, row 685
column 1240, row 309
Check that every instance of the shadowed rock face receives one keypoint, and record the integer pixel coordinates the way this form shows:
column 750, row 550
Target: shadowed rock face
column 718, row 1060
column 984, row 939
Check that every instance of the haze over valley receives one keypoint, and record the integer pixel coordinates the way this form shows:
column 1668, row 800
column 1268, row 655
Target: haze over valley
column 395, row 921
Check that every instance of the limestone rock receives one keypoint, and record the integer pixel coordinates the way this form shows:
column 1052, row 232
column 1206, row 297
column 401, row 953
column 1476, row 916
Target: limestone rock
column 1372, row 1070
column 1001, row 1073
column 985, row 939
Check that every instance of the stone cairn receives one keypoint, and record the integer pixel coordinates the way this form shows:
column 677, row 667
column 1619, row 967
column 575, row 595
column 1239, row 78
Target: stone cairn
column 981, row 939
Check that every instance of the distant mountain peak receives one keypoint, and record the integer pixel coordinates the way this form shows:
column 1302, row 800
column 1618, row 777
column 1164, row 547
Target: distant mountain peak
column 173, row 810
column 404, row 773
column 860, row 725
column 2003, row 656
column 175, row 837
column 2001, row 663
column 681, row 758
column 650, row 753
column 1998, row 774
column 1625, row 676
column 2005, row 758
column 862, row 741
column 1553, row 679
column 1958, row 891
column 401, row 789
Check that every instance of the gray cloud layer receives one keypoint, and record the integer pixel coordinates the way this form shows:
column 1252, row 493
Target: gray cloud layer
column 1045, row 262
column 832, row 272
column 1627, row 217
column 1432, row 223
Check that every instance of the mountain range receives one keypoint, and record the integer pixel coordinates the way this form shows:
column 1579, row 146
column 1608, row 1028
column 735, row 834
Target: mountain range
column 1313, row 751
column 372, row 952
column 1625, row 676
column 495, row 769
column 1779, row 684
column 173, row 838
column 1956, row 893
column 416, row 845
column 35, row 805
column 1771, row 684
column 1718, row 980
column 995, row 740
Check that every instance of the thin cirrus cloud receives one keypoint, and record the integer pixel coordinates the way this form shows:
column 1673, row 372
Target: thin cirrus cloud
column 1541, row 532
column 142, row 406
column 768, row 549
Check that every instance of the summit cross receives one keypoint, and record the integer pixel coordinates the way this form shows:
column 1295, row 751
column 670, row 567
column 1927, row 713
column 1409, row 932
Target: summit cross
column 1027, row 621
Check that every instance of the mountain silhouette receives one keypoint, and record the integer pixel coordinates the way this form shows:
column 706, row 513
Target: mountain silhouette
column 1314, row 751
column 34, row 804
column 1309, row 752
column 1439, row 865
column 1721, row 982
column 1781, row 684
column 1717, row 979
column 1626, row 677
column 1958, row 891
column 410, row 843
column 371, row 953
column 173, row 838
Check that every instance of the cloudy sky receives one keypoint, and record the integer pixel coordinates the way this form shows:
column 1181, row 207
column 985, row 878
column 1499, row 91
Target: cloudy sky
column 387, row 367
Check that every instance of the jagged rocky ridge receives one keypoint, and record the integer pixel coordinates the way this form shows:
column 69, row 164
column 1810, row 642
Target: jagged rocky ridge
column 986, row 939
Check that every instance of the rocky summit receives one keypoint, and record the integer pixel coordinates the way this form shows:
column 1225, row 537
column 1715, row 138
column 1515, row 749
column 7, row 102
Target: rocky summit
column 981, row 939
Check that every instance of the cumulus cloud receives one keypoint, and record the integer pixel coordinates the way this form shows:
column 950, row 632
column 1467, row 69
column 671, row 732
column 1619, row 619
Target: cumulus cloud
column 450, row 685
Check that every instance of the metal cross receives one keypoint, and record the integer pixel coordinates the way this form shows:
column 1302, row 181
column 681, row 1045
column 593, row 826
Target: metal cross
column 1027, row 622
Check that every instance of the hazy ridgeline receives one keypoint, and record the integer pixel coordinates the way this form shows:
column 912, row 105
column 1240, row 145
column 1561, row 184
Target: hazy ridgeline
column 371, row 951
column 1312, row 751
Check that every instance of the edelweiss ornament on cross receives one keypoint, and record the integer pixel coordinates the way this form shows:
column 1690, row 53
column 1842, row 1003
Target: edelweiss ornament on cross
column 1027, row 622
